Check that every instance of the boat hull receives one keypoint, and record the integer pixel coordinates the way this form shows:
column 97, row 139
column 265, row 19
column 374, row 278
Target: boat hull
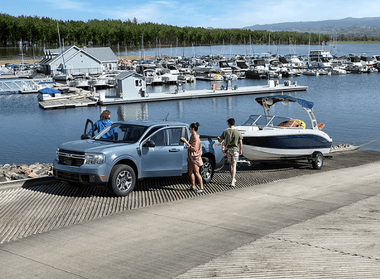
column 291, row 146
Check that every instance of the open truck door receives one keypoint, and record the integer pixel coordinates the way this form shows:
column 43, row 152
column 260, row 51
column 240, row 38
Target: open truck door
column 88, row 130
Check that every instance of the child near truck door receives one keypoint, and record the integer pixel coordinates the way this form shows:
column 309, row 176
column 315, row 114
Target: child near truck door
column 194, row 160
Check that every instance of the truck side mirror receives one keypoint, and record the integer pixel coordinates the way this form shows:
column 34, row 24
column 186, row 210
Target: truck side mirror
column 150, row 143
column 85, row 136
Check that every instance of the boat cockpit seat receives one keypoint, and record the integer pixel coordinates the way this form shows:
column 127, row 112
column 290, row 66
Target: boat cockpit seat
column 293, row 123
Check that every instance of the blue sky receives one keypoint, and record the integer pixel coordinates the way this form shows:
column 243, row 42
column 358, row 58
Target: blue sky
column 217, row 14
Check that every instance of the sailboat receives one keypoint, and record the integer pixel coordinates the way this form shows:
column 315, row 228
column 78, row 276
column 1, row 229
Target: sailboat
column 63, row 76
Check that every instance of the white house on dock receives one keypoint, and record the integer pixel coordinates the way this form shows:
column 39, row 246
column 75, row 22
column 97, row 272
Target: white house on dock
column 79, row 61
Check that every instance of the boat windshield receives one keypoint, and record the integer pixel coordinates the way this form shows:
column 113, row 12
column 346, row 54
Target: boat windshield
column 262, row 120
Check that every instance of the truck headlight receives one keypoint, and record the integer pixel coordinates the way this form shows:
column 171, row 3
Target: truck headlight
column 95, row 158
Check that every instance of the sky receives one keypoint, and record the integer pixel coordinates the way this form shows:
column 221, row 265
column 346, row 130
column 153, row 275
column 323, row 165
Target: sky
column 194, row 13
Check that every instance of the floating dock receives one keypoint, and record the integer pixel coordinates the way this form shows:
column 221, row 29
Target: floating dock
column 84, row 98
column 205, row 93
column 77, row 98
column 68, row 103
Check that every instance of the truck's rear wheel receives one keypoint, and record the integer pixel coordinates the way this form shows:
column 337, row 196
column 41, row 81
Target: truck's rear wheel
column 123, row 180
column 207, row 170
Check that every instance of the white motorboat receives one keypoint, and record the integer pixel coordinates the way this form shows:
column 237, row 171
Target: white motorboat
column 267, row 137
column 207, row 73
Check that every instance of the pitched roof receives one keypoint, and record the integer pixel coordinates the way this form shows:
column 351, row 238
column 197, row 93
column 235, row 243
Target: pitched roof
column 104, row 54
column 126, row 74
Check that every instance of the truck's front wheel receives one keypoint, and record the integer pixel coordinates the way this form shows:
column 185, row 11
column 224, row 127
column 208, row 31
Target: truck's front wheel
column 123, row 180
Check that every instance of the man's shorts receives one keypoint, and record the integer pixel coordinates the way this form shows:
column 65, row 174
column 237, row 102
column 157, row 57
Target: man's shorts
column 232, row 156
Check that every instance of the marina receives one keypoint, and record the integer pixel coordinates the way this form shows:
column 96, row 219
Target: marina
column 344, row 104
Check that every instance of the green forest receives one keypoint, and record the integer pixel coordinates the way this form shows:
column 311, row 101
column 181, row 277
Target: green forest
column 43, row 31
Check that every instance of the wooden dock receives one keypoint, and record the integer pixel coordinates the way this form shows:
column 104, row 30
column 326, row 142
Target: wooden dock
column 68, row 103
column 78, row 98
column 205, row 93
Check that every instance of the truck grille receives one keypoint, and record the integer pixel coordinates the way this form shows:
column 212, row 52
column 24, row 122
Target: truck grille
column 71, row 158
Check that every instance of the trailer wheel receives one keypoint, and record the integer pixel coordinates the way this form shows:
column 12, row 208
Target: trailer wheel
column 317, row 160
column 207, row 170
column 123, row 180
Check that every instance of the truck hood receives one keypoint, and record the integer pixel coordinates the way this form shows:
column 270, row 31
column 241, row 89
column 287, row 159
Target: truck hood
column 89, row 145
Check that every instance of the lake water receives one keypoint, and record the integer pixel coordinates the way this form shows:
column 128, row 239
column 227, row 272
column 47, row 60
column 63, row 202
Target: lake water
column 347, row 104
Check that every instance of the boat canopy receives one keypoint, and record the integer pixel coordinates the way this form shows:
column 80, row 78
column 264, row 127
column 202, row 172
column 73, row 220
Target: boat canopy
column 271, row 100
column 48, row 90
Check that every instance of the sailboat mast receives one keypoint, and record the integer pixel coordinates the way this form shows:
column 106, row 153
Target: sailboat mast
column 60, row 45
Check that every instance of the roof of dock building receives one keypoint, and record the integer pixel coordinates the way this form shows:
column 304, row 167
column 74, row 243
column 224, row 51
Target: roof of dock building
column 104, row 54
column 127, row 74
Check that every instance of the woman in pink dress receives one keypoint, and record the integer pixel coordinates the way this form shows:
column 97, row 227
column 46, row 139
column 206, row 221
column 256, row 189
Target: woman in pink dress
column 194, row 158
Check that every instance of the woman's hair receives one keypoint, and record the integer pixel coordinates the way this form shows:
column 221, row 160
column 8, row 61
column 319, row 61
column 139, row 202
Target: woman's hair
column 106, row 114
column 194, row 126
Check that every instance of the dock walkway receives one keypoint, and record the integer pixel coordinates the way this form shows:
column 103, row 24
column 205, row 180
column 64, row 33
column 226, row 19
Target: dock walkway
column 86, row 99
column 205, row 93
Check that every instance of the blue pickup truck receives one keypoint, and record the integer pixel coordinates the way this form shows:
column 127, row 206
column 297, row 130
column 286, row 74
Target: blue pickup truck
column 138, row 149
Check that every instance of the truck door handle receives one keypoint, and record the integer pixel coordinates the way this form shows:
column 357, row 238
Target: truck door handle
column 174, row 150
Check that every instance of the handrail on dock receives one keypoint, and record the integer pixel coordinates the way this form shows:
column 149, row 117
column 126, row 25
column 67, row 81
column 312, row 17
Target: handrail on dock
column 22, row 85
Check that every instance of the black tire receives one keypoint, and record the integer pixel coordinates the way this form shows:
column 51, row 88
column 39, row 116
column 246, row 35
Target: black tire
column 317, row 160
column 122, row 180
column 207, row 170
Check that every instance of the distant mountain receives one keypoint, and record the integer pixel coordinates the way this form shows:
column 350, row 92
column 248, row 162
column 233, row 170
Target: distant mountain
column 367, row 26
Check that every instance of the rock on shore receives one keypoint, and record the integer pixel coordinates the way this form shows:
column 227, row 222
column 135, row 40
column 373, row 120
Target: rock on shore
column 22, row 171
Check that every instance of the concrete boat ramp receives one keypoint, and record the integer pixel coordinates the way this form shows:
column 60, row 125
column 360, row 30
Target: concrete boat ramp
column 205, row 93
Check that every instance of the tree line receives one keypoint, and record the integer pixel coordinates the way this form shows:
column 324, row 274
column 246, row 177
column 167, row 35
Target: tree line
column 43, row 31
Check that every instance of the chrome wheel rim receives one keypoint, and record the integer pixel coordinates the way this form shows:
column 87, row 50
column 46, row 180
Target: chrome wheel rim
column 206, row 170
column 124, row 180
column 319, row 161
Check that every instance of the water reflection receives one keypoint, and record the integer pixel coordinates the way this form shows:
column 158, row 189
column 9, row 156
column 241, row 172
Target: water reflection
column 133, row 112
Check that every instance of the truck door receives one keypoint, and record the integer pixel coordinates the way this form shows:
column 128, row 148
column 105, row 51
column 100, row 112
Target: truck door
column 167, row 156
column 87, row 128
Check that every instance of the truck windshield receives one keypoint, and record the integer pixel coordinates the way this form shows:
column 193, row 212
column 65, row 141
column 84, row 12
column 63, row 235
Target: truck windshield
column 119, row 132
